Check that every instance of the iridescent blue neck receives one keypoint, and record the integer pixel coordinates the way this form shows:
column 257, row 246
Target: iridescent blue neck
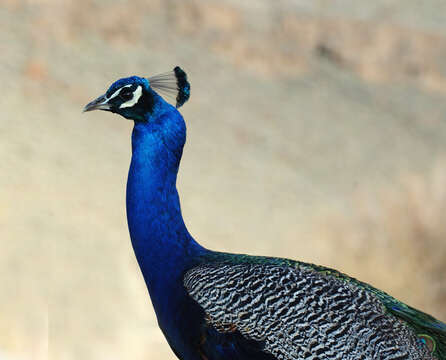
column 161, row 242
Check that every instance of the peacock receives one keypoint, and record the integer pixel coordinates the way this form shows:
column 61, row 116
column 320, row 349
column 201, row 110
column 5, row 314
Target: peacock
column 213, row 305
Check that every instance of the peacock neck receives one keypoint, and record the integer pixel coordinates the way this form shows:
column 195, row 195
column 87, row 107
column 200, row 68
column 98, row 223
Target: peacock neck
column 160, row 239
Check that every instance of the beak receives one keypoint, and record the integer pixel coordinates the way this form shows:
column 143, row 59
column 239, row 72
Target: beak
column 99, row 104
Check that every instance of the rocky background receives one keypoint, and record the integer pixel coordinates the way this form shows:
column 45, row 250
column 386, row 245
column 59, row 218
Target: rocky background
column 316, row 131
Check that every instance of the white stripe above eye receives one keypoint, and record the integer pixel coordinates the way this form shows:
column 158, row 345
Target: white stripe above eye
column 136, row 95
column 116, row 93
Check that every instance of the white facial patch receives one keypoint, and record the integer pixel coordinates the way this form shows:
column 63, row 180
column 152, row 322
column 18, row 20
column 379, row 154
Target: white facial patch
column 116, row 93
column 136, row 95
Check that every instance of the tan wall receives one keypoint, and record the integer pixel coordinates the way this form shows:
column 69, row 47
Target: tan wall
column 315, row 132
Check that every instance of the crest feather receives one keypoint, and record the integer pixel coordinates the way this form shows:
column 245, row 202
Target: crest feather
column 172, row 84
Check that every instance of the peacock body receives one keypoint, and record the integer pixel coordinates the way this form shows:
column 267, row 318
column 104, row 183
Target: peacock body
column 213, row 305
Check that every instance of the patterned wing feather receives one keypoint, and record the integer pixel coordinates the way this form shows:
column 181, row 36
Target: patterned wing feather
column 297, row 312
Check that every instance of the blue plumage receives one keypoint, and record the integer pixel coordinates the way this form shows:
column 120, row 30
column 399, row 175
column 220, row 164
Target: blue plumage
column 213, row 306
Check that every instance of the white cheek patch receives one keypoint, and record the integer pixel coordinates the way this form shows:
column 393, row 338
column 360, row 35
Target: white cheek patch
column 136, row 95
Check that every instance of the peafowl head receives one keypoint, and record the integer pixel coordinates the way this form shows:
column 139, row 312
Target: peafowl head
column 135, row 97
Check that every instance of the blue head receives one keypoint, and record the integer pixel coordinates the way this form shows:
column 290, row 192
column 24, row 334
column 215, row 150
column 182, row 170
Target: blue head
column 135, row 97
column 154, row 215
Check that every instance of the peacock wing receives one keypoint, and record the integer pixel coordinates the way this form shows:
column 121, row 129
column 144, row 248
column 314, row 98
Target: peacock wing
column 296, row 312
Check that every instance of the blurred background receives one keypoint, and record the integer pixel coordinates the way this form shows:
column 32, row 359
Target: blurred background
column 316, row 131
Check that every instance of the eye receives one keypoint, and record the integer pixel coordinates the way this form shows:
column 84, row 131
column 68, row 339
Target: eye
column 126, row 95
column 427, row 341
